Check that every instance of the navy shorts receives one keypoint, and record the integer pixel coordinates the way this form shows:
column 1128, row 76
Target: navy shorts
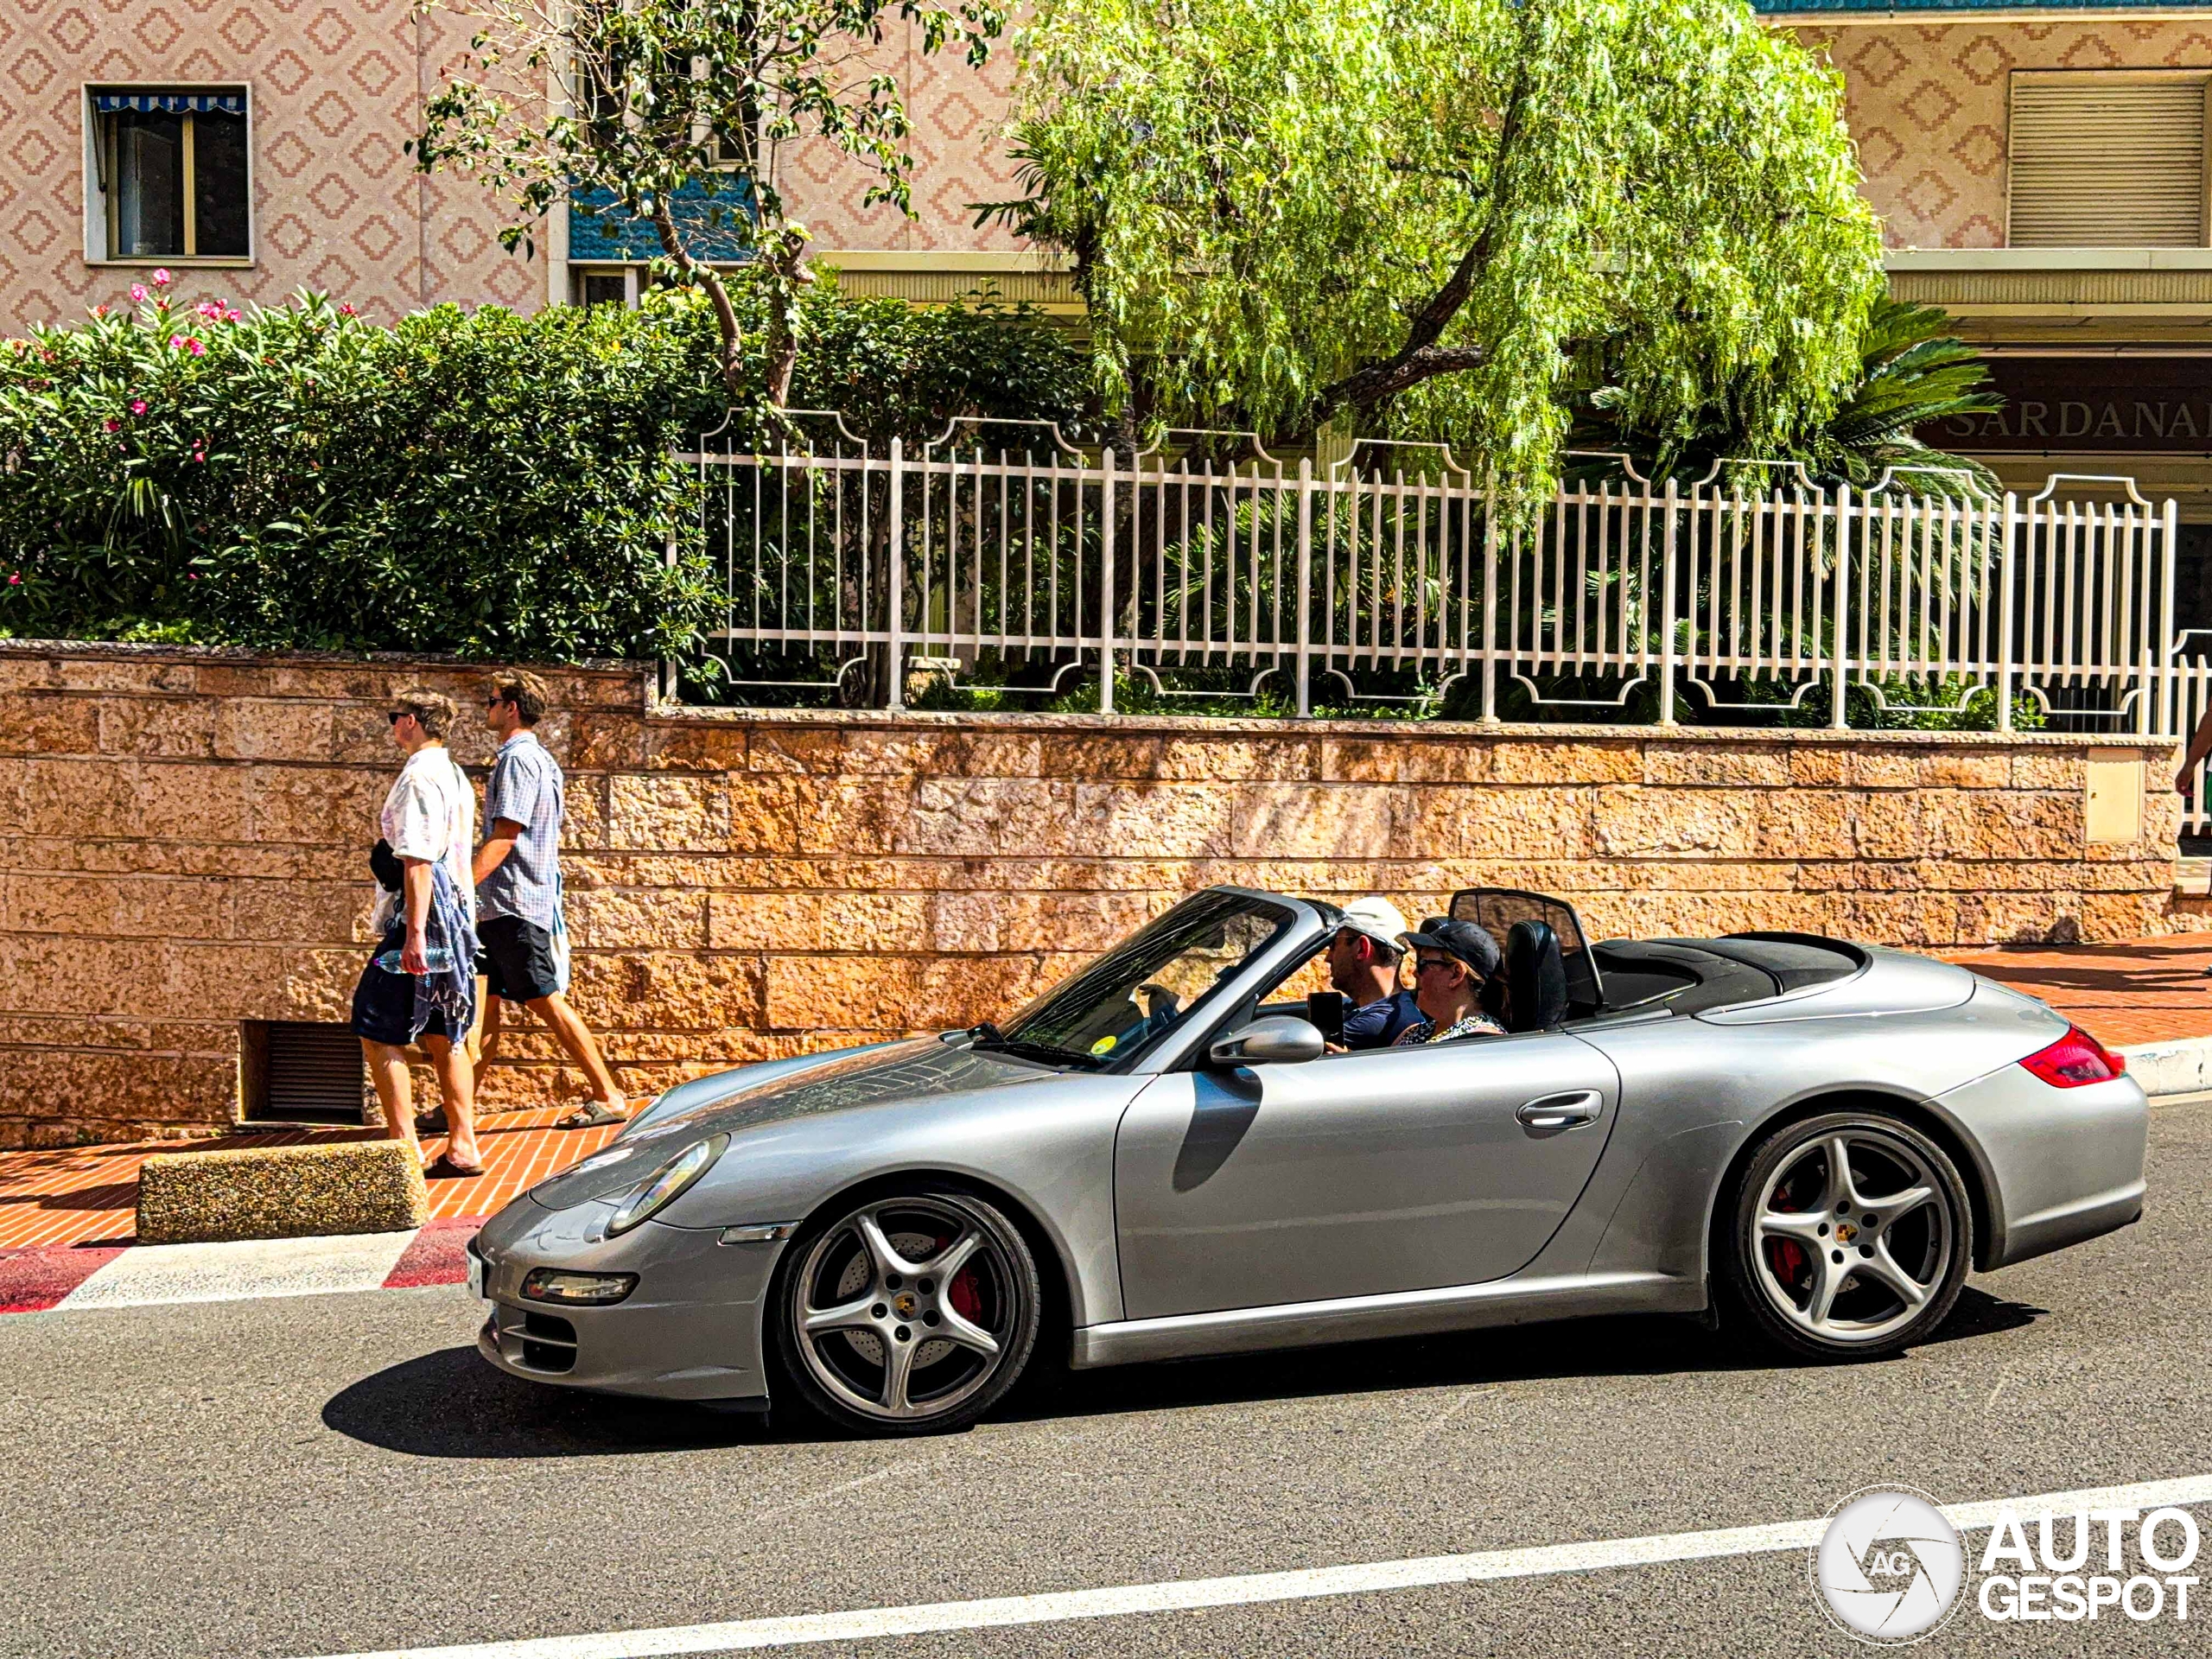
column 383, row 1004
column 515, row 958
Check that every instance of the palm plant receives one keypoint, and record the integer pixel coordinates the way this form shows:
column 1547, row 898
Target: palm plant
column 1915, row 371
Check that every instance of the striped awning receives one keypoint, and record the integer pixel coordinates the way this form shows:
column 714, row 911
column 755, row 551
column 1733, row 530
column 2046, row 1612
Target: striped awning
column 170, row 103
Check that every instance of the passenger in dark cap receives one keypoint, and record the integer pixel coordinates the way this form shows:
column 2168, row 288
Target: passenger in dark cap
column 1452, row 961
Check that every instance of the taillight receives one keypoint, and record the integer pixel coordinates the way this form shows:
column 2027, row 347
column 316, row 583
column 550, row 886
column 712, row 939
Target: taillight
column 2075, row 1059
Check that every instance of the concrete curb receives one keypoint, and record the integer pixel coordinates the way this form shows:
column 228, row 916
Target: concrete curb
column 2180, row 1065
column 352, row 1186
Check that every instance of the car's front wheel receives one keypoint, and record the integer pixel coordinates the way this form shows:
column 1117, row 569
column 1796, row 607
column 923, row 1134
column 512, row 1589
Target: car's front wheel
column 909, row 1313
column 1851, row 1237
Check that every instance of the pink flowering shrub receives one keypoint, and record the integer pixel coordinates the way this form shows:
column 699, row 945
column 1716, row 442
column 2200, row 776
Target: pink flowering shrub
column 301, row 476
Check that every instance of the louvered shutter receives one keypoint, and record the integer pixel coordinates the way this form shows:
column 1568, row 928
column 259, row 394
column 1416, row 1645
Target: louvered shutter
column 2099, row 162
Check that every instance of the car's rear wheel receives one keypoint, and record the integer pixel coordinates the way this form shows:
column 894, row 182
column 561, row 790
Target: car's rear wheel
column 1851, row 1237
column 911, row 1313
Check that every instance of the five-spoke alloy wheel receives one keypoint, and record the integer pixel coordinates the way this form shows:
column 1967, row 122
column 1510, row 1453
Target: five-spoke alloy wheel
column 911, row 1313
column 1851, row 1237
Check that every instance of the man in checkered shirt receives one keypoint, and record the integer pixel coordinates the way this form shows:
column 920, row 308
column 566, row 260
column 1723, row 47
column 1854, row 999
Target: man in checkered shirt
column 518, row 892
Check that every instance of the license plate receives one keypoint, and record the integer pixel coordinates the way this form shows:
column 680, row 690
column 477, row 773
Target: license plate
column 475, row 1273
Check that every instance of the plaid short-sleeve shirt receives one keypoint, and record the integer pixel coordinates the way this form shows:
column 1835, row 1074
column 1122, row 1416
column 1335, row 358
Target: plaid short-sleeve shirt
column 526, row 788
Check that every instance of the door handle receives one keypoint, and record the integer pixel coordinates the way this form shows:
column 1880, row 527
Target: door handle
column 1566, row 1112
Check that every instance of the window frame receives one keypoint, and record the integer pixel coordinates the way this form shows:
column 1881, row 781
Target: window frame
column 100, row 201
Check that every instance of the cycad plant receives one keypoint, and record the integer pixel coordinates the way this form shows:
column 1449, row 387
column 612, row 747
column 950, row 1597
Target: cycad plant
column 1915, row 371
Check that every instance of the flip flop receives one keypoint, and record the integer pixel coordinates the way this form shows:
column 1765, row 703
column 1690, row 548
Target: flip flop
column 592, row 1114
column 446, row 1166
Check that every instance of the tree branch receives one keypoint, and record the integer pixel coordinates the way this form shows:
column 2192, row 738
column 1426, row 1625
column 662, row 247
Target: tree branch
column 733, row 360
column 1365, row 387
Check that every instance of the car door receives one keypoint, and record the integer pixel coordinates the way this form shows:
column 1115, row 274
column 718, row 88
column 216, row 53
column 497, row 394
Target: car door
column 1356, row 1174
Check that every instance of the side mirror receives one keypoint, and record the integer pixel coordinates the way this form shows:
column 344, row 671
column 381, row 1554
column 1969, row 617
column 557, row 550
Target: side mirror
column 1279, row 1039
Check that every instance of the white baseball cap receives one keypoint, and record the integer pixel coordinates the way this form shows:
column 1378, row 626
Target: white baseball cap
column 1378, row 918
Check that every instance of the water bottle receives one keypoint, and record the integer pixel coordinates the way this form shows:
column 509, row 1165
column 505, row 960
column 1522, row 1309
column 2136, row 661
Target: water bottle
column 440, row 957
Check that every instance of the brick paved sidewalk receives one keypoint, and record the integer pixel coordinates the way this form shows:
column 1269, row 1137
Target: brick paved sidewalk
column 2139, row 991
column 2143, row 991
column 83, row 1195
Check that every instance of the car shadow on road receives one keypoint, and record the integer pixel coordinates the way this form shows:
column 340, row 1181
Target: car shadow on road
column 451, row 1404
column 1626, row 1345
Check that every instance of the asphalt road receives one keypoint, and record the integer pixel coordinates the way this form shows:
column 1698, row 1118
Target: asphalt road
column 325, row 1475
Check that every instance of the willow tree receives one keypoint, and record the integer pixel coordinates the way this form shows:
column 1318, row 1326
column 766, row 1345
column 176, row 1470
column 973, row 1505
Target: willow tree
column 1438, row 217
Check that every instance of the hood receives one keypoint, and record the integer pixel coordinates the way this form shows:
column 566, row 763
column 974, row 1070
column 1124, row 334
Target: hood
column 879, row 1075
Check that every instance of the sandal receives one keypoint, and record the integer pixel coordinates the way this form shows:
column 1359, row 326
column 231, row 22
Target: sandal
column 592, row 1114
column 446, row 1165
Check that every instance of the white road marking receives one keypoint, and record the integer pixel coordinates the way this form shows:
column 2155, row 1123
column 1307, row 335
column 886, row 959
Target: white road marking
column 151, row 1274
column 1310, row 1584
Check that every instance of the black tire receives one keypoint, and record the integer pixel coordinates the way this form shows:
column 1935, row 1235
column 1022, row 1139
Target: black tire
column 846, row 1375
column 1867, row 1259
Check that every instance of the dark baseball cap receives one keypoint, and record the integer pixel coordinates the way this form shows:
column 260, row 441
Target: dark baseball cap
column 1462, row 940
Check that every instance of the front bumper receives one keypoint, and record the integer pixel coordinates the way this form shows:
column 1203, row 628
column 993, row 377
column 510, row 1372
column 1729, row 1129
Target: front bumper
column 690, row 1329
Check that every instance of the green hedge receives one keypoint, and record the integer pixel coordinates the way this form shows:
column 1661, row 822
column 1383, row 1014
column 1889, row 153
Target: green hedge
column 474, row 482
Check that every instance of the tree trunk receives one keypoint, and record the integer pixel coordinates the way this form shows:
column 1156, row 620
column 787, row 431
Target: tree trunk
column 785, row 260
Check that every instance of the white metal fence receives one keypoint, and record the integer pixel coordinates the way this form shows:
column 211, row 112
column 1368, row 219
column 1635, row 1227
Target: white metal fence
column 1004, row 555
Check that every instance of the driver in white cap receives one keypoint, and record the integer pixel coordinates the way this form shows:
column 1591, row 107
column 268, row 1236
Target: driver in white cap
column 1363, row 964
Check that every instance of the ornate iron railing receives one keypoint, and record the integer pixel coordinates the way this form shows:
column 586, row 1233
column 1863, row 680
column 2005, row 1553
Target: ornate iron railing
column 1003, row 554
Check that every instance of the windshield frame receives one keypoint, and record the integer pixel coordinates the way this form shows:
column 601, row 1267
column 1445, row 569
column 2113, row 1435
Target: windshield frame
column 1162, row 1051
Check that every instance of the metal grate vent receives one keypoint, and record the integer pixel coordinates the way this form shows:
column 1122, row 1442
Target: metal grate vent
column 309, row 1073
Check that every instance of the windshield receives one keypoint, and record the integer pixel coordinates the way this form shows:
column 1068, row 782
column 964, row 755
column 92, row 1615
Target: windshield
column 1145, row 985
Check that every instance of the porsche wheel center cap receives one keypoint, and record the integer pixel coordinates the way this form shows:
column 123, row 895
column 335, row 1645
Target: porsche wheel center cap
column 1845, row 1232
column 905, row 1306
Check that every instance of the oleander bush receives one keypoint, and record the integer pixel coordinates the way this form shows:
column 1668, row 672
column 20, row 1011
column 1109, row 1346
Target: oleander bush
column 474, row 482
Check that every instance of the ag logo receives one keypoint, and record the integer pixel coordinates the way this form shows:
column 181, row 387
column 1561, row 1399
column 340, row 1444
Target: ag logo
column 1889, row 1567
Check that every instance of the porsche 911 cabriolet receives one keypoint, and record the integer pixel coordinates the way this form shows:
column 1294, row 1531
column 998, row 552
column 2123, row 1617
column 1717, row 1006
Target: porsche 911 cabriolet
column 1165, row 1155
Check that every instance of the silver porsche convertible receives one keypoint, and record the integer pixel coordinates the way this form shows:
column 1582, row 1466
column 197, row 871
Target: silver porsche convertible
column 1167, row 1156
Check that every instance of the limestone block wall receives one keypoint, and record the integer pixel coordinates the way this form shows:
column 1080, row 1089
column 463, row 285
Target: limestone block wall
column 183, row 839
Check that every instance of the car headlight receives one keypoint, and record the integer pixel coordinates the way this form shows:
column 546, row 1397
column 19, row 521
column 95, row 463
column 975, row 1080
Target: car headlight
column 667, row 1183
column 583, row 1289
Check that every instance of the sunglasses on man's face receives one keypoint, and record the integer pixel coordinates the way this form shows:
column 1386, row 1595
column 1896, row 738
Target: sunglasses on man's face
column 1421, row 965
column 397, row 715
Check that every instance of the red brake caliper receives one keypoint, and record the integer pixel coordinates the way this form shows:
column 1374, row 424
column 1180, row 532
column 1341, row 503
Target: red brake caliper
column 966, row 1300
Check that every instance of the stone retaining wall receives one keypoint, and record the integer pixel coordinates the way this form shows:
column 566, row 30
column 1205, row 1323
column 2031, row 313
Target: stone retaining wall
column 183, row 837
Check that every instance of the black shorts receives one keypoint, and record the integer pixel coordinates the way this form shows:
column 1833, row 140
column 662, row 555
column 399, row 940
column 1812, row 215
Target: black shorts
column 383, row 1004
column 515, row 958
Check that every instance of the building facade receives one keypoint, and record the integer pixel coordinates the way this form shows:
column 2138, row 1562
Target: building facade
column 255, row 147
column 2040, row 171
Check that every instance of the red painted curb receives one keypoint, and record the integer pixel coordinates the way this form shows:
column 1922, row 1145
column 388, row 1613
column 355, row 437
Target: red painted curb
column 437, row 1255
column 32, row 1281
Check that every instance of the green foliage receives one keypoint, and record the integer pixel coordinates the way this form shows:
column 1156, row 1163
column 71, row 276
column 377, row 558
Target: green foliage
column 1445, row 216
column 895, row 369
column 474, row 482
column 1913, row 371
column 688, row 98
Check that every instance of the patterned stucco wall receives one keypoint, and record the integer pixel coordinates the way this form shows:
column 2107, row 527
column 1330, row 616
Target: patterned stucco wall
column 337, row 91
column 1927, row 104
column 959, row 154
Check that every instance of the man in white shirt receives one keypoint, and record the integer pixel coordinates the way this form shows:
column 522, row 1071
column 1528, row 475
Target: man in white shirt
column 419, row 987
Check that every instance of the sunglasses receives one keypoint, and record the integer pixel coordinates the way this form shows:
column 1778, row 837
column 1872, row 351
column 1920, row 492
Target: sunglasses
column 397, row 716
column 1422, row 964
